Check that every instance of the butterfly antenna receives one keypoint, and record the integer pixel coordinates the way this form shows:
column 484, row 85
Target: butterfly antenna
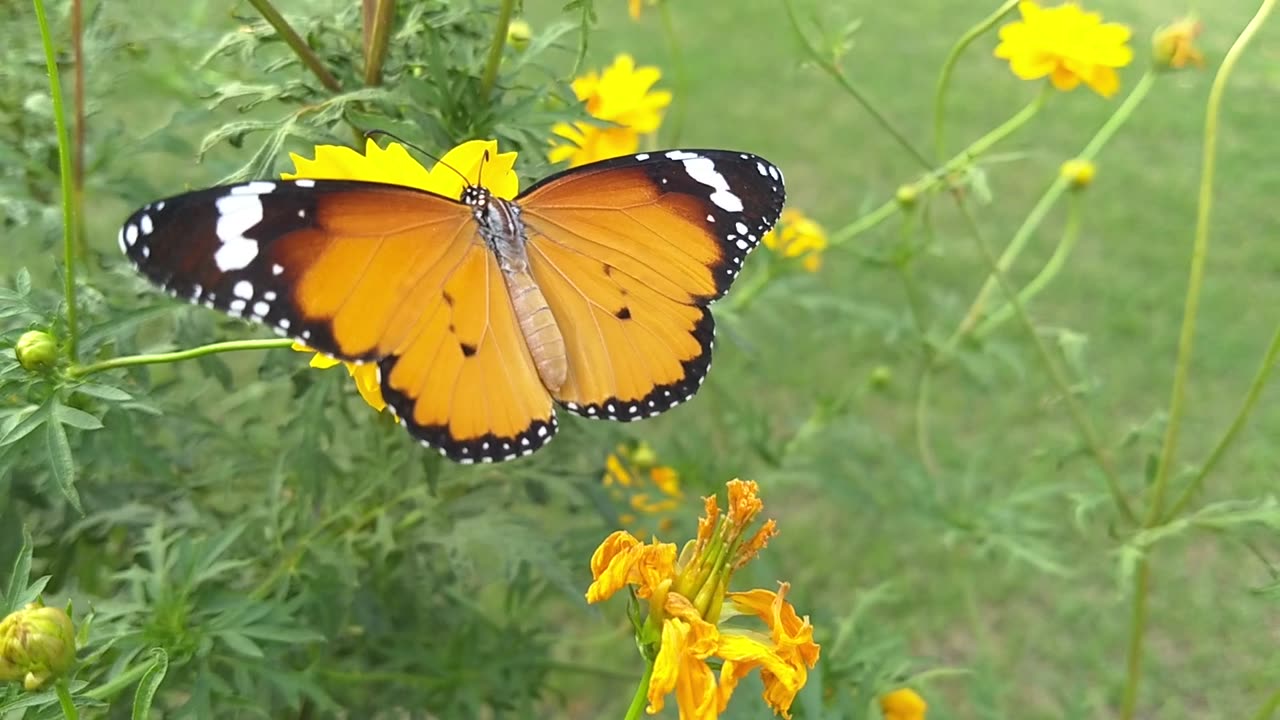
column 402, row 141
column 480, row 173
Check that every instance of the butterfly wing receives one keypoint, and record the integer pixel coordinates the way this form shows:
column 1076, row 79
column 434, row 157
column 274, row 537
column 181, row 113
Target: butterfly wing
column 630, row 253
column 363, row 272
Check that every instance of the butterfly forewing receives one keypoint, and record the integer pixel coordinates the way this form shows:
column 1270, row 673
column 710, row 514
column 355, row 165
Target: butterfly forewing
column 630, row 252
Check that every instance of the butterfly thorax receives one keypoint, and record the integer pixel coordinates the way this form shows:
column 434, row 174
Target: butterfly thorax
column 503, row 231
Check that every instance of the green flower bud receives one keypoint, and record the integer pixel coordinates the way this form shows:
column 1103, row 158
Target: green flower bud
column 519, row 34
column 881, row 377
column 37, row 644
column 37, row 350
column 907, row 196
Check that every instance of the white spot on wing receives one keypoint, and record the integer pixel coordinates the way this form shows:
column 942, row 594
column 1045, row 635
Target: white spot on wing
column 236, row 214
column 257, row 187
column 681, row 155
column 741, row 228
column 145, row 224
column 704, row 171
column 642, row 157
column 130, row 234
column 261, row 309
column 243, row 289
column 304, row 183
column 276, row 268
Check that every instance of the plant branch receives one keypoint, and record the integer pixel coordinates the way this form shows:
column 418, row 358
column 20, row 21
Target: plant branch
column 78, row 108
column 376, row 36
column 640, row 699
column 67, row 177
column 78, row 371
column 295, row 41
column 490, row 77
column 944, row 78
column 1199, row 256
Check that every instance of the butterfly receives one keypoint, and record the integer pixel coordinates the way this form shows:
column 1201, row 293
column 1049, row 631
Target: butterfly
column 590, row 290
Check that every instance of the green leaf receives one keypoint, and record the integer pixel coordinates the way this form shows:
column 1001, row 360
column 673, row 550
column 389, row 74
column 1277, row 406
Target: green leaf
column 104, row 392
column 18, row 575
column 150, row 684
column 62, row 464
column 68, row 415
column 28, row 424
column 241, row 644
column 23, row 282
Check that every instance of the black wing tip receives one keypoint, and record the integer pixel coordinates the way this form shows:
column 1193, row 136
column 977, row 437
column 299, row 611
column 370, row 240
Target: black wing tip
column 662, row 397
column 487, row 448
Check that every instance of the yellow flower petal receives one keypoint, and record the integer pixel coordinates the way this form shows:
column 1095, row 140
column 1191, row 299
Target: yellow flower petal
column 903, row 704
column 622, row 95
column 1067, row 45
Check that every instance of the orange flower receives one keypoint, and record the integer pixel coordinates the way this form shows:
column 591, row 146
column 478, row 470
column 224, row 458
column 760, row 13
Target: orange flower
column 688, row 599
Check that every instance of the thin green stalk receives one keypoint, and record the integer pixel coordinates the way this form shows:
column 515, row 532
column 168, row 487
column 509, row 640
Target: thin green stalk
column 682, row 75
column 1268, row 709
column 1199, row 256
column 1242, row 415
column 67, row 177
column 64, row 699
column 377, row 34
column 78, row 127
column 1050, row 197
column 1137, row 631
column 936, row 176
column 115, row 685
column 490, row 76
column 1083, row 424
column 189, row 354
column 944, row 78
column 296, row 43
column 1050, row 270
column 832, row 69
column 640, row 699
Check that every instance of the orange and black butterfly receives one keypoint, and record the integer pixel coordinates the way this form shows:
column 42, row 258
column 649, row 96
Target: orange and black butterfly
column 591, row 289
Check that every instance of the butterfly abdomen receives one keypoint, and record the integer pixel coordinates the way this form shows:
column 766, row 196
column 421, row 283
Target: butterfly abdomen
column 502, row 229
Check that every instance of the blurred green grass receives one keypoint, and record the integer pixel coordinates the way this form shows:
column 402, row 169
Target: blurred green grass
column 853, row 508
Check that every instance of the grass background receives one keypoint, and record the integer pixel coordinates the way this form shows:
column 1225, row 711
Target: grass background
column 855, row 508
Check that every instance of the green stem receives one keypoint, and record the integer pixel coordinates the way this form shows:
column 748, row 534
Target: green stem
column 1199, row 256
column 64, row 699
column 77, row 371
column 640, row 699
column 296, row 43
column 1242, row 415
column 375, row 51
column 1083, row 425
column 1268, row 709
column 1050, row 197
column 832, row 69
column 67, row 177
column 1137, row 630
column 944, row 79
column 78, row 127
column 936, row 176
column 1050, row 270
column 682, row 76
column 490, row 76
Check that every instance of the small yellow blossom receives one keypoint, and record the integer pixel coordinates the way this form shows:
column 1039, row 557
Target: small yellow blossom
column 688, row 598
column 798, row 236
column 633, row 7
column 1067, row 45
column 903, row 704
column 622, row 98
column 1174, row 45
column 37, row 644
column 1078, row 172
column 637, row 483
column 478, row 160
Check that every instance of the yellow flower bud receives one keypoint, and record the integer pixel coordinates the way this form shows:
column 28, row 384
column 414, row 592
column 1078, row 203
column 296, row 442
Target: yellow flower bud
column 907, row 196
column 37, row 350
column 519, row 34
column 1078, row 172
column 903, row 704
column 1173, row 46
column 644, row 456
column 37, row 644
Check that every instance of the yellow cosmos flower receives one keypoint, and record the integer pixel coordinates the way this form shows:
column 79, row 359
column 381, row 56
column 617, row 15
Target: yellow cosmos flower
column 688, row 601
column 798, row 236
column 478, row 160
column 641, row 487
column 1067, row 45
column 621, row 95
column 903, row 704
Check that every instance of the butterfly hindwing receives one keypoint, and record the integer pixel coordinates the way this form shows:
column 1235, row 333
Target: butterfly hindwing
column 630, row 252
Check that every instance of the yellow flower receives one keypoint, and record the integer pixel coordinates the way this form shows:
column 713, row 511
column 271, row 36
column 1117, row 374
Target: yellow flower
column 478, row 160
column 1066, row 44
column 688, row 599
column 798, row 236
column 903, row 704
column 1174, row 45
column 37, row 644
column 621, row 97
column 1078, row 172
column 638, row 483
column 633, row 7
